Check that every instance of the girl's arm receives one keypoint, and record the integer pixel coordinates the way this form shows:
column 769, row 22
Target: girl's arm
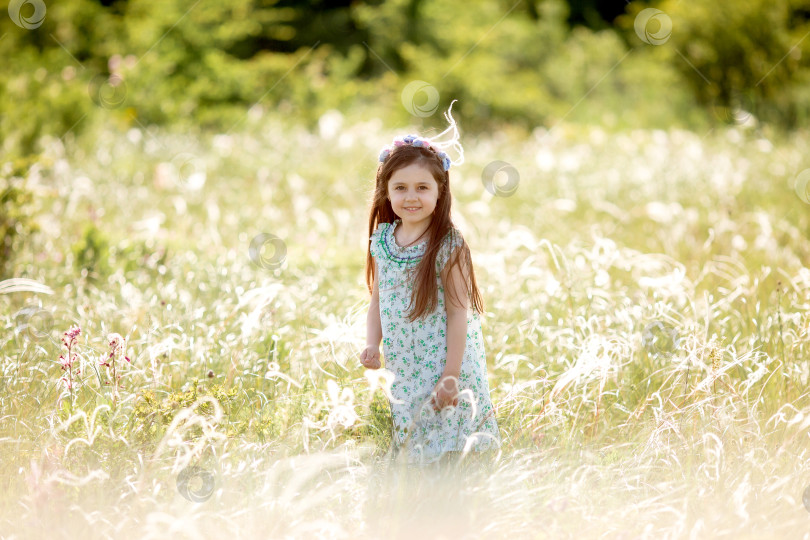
column 455, row 303
column 373, row 322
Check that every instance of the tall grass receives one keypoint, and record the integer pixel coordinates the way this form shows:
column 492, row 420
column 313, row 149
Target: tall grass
column 646, row 334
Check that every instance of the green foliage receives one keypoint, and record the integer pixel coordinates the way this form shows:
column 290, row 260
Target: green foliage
column 92, row 253
column 527, row 70
column 95, row 254
column 136, row 256
column 44, row 88
column 377, row 426
column 17, row 219
column 205, row 65
column 151, row 416
column 741, row 57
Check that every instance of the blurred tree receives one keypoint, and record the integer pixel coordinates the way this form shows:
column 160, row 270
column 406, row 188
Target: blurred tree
column 18, row 216
column 739, row 58
column 203, row 64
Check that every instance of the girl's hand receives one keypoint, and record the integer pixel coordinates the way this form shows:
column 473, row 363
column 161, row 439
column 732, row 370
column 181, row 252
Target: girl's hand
column 370, row 357
column 445, row 393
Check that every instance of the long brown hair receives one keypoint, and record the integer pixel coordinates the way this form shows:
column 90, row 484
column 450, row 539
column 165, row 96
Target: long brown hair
column 424, row 297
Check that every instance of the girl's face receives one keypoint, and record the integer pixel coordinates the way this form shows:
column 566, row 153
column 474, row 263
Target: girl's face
column 413, row 193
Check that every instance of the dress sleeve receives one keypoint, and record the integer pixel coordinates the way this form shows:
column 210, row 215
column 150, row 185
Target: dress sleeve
column 376, row 238
column 451, row 241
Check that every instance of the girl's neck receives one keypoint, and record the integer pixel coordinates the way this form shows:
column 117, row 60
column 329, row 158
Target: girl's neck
column 411, row 234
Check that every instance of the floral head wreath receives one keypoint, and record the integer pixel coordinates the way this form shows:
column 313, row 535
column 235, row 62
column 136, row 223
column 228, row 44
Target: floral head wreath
column 433, row 144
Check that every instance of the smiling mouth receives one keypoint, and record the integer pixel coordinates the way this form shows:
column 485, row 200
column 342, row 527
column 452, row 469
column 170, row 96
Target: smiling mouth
column 406, row 208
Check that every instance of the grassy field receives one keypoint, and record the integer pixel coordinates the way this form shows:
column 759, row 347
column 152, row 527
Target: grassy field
column 647, row 335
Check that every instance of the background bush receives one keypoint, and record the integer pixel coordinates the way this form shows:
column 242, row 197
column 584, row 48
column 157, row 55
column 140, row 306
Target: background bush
column 201, row 66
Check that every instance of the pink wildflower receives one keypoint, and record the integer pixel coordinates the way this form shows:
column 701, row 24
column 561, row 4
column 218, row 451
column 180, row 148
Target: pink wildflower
column 70, row 340
column 117, row 349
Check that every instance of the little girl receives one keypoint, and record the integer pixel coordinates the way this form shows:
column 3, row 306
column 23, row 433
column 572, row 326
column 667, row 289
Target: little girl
column 434, row 348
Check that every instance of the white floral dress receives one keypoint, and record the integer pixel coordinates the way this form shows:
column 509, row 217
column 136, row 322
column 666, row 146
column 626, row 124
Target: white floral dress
column 416, row 354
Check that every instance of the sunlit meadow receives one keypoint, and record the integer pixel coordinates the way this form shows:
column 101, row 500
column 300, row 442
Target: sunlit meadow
column 646, row 328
